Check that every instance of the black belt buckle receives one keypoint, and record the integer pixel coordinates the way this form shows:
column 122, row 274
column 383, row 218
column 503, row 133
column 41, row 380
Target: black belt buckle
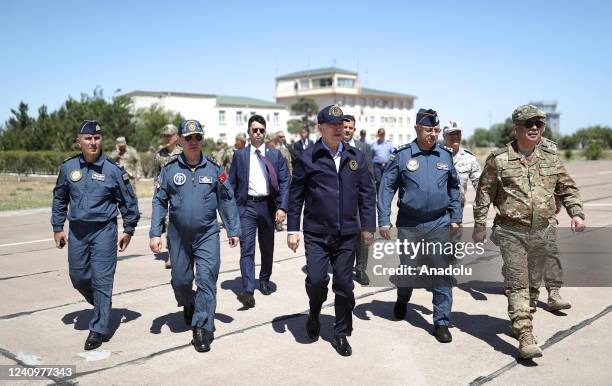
column 257, row 198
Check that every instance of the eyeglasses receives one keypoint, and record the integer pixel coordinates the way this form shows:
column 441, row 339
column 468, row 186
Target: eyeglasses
column 258, row 130
column 198, row 137
column 529, row 124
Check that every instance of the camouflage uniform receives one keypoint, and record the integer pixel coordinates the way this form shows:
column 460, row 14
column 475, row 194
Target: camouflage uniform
column 130, row 161
column 287, row 156
column 163, row 156
column 226, row 159
column 522, row 190
column 468, row 168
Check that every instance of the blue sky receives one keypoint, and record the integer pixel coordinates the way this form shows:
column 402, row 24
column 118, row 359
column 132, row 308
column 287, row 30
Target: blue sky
column 473, row 61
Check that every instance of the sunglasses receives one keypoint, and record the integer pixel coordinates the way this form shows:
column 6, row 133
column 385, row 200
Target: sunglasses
column 198, row 137
column 529, row 124
column 258, row 130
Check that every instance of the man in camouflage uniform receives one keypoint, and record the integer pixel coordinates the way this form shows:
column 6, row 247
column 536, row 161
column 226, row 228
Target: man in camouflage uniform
column 465, row 162
column 521, row 180
column 128, row 158
column 165, row 154
column 219, row 153
column 280, row 145
column 228, row 155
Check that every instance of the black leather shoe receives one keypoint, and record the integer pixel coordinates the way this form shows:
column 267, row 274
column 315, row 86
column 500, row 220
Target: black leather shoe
column 342, row 346
column 188, row 314
column 265, row 288
column 93, row 341
column 247, row 299
column 442, row 334
column 201, row 340
column 313, row 328
column 362, row 278
column 399, row 310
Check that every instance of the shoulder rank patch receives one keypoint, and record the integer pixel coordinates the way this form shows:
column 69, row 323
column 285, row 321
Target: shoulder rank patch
column 400, row 148
column 71, row 157
column 126, row 177
column 467, row 151
column 212, row 161
column 497, row 152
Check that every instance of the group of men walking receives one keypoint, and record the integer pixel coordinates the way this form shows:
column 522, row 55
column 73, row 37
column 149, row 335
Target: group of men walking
column 335, row 184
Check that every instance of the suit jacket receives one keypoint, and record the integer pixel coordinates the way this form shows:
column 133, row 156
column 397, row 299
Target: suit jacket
column 299, row 145
column 239, row 177
column 367, row 151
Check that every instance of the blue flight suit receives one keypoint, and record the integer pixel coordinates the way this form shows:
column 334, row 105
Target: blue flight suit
column 339, row 204
column 90, row 194
column 429, row 200
column 194, row 196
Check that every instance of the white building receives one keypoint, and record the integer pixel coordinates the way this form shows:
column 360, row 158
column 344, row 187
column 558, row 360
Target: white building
column 372, row 108
column 222, row 116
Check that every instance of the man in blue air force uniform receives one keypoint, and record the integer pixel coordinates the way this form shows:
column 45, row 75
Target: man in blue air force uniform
column 194, row 187
column 429, row 203
column 89, row 189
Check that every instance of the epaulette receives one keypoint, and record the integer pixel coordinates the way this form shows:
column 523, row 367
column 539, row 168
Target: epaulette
column 548, row 146
column 213, row 161
column 172, row 159
column 400, row 148
column 71, row 157
column 467, row 151
column 497, row 152
column 448, row 149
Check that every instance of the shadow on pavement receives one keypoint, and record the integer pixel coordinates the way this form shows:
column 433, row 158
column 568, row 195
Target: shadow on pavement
column 296, row 324
column 81, row 319
column 176, row 324
column 486, row 328
column 384, row 310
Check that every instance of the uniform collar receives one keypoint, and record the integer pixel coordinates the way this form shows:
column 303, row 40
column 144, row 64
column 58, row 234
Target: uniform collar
column 417, row 150
column 514, row 153
column 182, row 160
column 99, row 162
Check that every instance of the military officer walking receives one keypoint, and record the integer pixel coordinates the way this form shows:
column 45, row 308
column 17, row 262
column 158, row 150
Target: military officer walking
column 429, row 203
column 194, row 187
column 521, row 180
column 333, row 179
column 89, row 189
column 165, row 154
column 127, row 157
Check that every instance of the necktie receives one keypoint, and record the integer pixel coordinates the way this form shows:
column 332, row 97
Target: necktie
column 270, row 169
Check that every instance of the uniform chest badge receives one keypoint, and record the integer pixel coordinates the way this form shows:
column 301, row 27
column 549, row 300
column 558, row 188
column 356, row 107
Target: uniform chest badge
column 413, row 164
column 353, row 165
column 179, row 179
column 205, row 180
column 98, row 177
column 76, row 175
column 442, row 166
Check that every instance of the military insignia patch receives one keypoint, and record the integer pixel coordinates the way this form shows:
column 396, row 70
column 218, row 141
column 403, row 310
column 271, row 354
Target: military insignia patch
column 179, row 179
column 98, row 128
column 205, row 180
column 412, row 165
column 98, row 177
column 222, row 177
column 76, row 175
column 191, row 126
column 126, row 177
column 158, row 183
column 442, row 166
column 335, row 111
column 353, row 165
column 391, row 157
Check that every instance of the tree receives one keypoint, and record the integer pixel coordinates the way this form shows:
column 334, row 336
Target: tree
column 294, row 126
column 307, row 108
column 148, row 124
column 480, row 138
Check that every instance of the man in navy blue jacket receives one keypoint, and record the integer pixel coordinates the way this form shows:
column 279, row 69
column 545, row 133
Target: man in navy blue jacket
column 261, row 184
column 332, row 179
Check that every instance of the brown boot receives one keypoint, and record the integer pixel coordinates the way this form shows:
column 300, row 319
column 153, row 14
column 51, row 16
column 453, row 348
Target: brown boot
column 528, row 347
column 555, row 301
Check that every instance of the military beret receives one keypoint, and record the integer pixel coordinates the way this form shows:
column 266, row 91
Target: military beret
column 330, row 114
column 89, row 127
column 525, row 112
column 190, row 126
column 427, row 117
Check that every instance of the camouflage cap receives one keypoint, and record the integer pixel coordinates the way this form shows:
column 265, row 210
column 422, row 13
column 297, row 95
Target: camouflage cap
column 220, row 141
column 525, row 112
column 121, row 141
column 270, row 137
column 241, row 136
column 169, row 129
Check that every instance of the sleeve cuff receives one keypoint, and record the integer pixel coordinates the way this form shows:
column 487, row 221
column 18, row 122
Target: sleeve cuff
column 58, row 228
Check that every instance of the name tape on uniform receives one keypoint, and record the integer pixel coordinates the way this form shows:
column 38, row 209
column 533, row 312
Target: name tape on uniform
column 205, row 180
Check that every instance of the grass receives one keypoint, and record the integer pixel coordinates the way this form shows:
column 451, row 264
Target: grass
column 37, row 192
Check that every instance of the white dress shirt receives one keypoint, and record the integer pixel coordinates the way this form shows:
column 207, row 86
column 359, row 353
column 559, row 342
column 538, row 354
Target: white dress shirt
column 258, row 185
column 336, row 157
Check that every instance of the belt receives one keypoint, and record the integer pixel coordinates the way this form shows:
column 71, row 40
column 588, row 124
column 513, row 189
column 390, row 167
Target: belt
column 257, row 198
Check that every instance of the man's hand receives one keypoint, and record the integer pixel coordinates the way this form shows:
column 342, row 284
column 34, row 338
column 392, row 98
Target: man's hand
column 479, row 234
column 233, row 241
column 367, row 238
column 155, row 244
column 280, row 216
column 124, row 241
column 577, row 224
column 293, row 241
column 385, row 232
column 60, row 239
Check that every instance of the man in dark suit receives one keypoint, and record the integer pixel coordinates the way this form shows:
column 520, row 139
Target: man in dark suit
column 332, row 179
column 261, row 185
column 361, row 251
column 303, row 143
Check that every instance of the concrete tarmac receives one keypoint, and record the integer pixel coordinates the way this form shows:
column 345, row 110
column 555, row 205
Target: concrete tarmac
column 43, row 320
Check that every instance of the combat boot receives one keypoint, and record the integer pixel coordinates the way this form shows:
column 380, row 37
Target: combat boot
column 528, row 347
column 555, row 301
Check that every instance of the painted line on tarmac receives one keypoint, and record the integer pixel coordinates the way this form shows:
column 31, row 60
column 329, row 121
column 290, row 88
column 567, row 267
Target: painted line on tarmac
column 556, row 338
column 236, row 332
column 18, row 360
column 26, row 275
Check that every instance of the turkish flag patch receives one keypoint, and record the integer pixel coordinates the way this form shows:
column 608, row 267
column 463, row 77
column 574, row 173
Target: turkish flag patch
column 222, row 177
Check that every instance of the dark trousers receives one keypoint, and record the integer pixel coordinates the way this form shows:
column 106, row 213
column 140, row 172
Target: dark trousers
column 92, row 260
column 323, row 250
column 361, row 256
column 257, row 218
column 204, row 256
column 378, row 172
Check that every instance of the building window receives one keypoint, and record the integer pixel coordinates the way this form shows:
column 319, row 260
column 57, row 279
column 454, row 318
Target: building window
column 268, row 117
column 372, row 121
column 346, row 82
column 399, row 121
column 253, row 113
column 305, row 84
column 380, row 103
column 401, row 138
column 238, row 117
column 371, row 102
column 383, row 120
column 275, row 121
column 222, row 117
column 323, row 82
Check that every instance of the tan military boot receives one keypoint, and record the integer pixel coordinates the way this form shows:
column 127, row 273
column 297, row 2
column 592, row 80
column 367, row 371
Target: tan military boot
column 528, row 347
column 555, row 301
